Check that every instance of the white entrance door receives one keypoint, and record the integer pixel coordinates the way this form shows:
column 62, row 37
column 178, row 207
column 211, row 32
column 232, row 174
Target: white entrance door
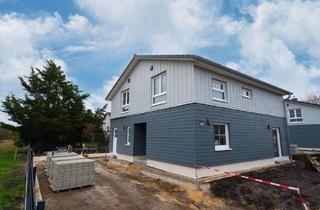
column 276, row 142
column 115, row 140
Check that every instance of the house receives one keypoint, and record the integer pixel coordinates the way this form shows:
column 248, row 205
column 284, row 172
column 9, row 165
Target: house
column 106, row 123
column 303, row 123
column 179, row 112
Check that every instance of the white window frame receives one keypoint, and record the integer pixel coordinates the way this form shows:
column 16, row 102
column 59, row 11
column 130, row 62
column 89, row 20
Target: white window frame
column 224, row 90
column 227, row 145
column 295, row 116
column 244, row 90
column 128, row 136
column 126, row 105
column 153, row 79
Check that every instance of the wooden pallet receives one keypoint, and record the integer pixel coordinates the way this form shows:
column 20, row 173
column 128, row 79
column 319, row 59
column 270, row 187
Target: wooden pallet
column 74, row 188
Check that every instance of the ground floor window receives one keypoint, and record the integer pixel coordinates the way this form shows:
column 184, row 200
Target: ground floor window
column 221, row 136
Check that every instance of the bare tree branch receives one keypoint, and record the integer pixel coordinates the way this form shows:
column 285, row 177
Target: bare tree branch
column 313, row 98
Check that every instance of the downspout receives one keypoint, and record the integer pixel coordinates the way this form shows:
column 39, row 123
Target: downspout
column 287, row 126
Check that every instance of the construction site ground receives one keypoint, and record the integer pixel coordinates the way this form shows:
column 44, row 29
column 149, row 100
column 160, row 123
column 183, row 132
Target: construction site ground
column 255, row 195
column 125, row 187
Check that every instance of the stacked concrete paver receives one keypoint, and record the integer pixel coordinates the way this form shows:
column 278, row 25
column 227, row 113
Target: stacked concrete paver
column 69, row 171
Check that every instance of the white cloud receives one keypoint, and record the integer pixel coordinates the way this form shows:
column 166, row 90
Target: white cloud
column 232, row 65
column 97, row 99
column 160, row 26
column 271, row 44
column 231, row 26
column 24, row 44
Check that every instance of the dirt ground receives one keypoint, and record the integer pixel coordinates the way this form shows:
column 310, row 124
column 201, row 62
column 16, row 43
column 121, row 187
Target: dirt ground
column 126, row 188
column 258, row 196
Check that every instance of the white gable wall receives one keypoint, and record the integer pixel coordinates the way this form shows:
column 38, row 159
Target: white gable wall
column 187, row 84
column 179, row 86
column 263, row 102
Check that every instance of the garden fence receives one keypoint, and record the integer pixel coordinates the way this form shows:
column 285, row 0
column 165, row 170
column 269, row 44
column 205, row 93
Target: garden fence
column 30, row 202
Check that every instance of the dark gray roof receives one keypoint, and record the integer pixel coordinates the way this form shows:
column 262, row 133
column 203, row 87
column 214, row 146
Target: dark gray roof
column 195, row 58
column 303, row 102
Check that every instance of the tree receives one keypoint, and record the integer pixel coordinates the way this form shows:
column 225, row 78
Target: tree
column 93, row 130
column 313, row 98
column 52, row 112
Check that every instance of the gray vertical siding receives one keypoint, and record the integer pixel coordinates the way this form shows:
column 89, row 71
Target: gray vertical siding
column 174, row 135
column 307, row 136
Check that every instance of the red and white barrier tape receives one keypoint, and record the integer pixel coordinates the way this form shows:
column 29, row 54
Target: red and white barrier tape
column 283, row 186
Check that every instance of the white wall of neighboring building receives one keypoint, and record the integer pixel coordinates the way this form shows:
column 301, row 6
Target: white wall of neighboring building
column 310, row 113
column 106, row 123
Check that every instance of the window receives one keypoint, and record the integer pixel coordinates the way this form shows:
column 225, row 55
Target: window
column 246, row 93
column 115, row 133
column 125, row 101
column 221, row 137
column 219, row 90
column 159, row 88
column 295, row 115
column 128, row 136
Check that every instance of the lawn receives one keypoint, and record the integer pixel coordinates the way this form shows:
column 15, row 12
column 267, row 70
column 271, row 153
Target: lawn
column 12, row 177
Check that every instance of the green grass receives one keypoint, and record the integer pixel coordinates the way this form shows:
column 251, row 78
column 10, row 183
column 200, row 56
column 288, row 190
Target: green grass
column 88, row 144
column 12, row 177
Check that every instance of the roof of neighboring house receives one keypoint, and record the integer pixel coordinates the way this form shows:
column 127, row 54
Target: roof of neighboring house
column 201, row 62
column 302, row 102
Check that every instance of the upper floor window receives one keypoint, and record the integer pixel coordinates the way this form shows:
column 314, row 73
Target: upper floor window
column 247, row 93
column 125, row 101
column 295, row 115
column 219, row 90
column 159, row 88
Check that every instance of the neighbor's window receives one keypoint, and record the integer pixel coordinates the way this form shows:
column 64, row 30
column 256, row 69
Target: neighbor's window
column 159, row 88
column 295, row 115
column 128, row 136
column 247, row 93
column 125, row 101
column 219, row 90
column 221, row 137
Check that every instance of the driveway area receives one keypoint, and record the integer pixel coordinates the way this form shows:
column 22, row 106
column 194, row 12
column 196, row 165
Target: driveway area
column 119, row 187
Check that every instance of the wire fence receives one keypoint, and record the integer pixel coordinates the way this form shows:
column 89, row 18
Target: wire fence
column 30, row 202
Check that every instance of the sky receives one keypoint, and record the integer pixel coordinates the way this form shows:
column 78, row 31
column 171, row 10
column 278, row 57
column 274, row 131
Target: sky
column 93, row 41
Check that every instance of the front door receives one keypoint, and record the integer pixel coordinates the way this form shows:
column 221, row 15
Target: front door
column 115, row 139
column 276, row 142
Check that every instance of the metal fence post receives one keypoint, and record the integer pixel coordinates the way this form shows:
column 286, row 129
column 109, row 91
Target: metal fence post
column 34, row 173
column 41, row 205
column 31, row 172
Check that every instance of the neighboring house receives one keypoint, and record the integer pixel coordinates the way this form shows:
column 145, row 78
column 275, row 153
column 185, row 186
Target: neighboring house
column 106, row 123
column 303, row 123
column 180, row 112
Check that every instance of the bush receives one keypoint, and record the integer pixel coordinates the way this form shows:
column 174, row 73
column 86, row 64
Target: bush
column 18, row 141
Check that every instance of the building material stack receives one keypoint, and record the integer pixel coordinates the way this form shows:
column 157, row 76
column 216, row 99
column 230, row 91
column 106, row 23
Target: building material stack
column 69, row 171
column 58, row 159
column 52, row 154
